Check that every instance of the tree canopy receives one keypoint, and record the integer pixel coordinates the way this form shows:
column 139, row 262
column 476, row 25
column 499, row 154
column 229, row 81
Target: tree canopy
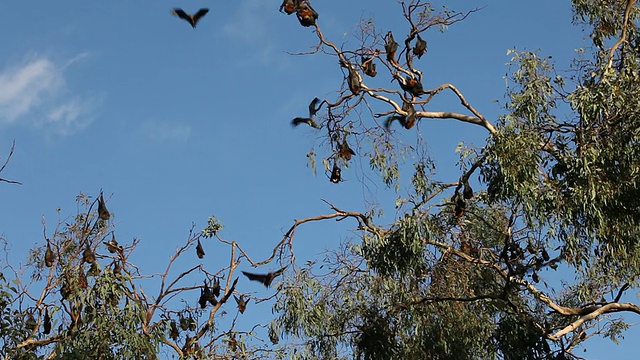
column 527, row 252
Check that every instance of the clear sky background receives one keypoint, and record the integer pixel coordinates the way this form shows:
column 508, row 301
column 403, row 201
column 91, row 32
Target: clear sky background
column 177, row 124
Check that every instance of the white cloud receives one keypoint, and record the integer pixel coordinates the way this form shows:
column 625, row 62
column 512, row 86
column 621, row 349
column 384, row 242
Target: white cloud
column 35, row 93
column 166, row 131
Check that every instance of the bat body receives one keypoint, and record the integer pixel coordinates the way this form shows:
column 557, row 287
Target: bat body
column 410, row 85
column 215, row 289
column 199, row 250
column 369, row 67
column 313, row 110
column 309, row 121
column 289, row 6
column 191, row 19
column 49, row 256
column 265, row 279
column 407, row 121
column 391, row 46
column 113, row 246
column 47, row 322
column 344, row 151
column 467, row 191
column 336, row 174
column 206, row 295
column 88, row 256
column 103, row 213
column 354, row 81
column 242, row 303
column 306, row 14
column 420, row 48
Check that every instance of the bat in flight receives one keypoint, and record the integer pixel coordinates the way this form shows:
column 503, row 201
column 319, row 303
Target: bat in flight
column 191, row 19
column 265, row 279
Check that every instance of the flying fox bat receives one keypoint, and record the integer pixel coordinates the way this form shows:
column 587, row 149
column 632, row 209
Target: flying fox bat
column 88, row 256
column 390, row 46
column 289, row 6
column 265, row 279
column 215, row 290
column 103, row 213
column 407, row 121
column 410, row 85
column 354, row 81
column 420, row 48
column 242, row 303
column 313, row 110
column 344, row 151
column 306, row 14
column 336, row 174
column 199, row 250
column 191, row 19
column 47, row 322
column 369, row 67
column 467, row 191
column 49, row 256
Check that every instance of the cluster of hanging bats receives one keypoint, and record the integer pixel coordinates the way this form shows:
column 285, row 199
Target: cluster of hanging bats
column 209, row 293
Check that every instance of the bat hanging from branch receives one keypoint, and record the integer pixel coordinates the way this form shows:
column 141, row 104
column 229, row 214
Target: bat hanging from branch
column 336, row 174
column 265, row 279
column 420, row 48
column 199, row 250
column 306, row 14
column 191, row 19
column 103, row 213
column 289, row 6
column 242, row 303
column 391, row 46
column 407, row 121
column 369, row 67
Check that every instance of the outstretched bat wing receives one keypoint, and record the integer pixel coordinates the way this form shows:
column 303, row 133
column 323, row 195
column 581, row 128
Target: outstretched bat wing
column 202, row 12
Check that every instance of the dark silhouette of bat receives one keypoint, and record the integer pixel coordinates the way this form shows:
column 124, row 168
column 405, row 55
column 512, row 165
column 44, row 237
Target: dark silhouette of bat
column 174, row 333
column 49, row 256
column 344, row 151
column 459, row 204
column 369, row 67
column 407, row 121
column 420, row 48
column 117, row 269
column 289, row 6
column 103, row 213
column 336, row 174
column 305, row 13
column 265, row 279
column 47, row 322
column 191, row 19
column 391, row 46
column 112, row 245
column 467, row 191
column 410, row 85
column 215, row 289
column 206, row 296
column 88, row 256
column 242, row 303
column 354, row 81
column 82, row 279
column 199, row 250
column 313, row 110
column 309, row 121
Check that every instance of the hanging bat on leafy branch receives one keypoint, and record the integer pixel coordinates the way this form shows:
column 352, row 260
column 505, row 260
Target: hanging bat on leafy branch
column 354, row 81
column 313, row 110
column 289, row 6
column 49, row 256
column 191, row 19
column 265, row 279
column 344, row 151
column 103, row 213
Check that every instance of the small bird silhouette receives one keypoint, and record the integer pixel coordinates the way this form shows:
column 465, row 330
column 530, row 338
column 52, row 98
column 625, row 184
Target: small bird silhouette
column 265, row 279
column 191, row 19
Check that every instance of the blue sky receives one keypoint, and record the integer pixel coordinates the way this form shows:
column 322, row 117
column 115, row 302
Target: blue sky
column 177, row 124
